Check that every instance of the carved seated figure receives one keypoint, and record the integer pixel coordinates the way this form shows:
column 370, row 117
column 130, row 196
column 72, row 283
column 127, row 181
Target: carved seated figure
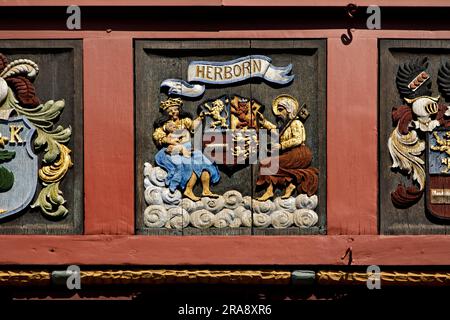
column 184, row 166
column 294, row 171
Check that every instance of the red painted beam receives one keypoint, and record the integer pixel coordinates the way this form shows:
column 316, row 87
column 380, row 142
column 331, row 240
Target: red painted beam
column 108, row 136
column 352, row 114
column 223, row 250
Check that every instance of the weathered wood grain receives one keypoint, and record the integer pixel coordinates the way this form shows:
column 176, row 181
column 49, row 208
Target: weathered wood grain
column 223, row 250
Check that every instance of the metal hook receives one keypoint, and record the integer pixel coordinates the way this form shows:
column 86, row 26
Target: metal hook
column 348, row 253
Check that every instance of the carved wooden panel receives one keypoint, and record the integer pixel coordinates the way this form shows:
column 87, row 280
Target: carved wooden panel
column 232, row 89
column 414, row 125
column 41, row 137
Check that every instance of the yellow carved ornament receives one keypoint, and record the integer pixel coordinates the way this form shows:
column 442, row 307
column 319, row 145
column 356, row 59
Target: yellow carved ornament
column 55, row 172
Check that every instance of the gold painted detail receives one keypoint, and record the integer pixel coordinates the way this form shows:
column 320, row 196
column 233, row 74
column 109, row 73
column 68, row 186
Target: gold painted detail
column 3, row 141
column 56, row 171
column 15, row 137
column 105, row 277
column 19, row 278
column 186, row 276
column 387, row 278
column 215, row 112
column 52, row 140
column 164, row 276
column 405, row 152
column 443, row 145
column 171, row 102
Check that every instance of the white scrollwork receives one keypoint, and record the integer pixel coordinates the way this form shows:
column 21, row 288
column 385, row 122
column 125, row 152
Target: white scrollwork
column 305, row 218
column 285, row 204
column 202, row 219
column 147, row 183
column 247, row 202
column 171, row 198
column 199, row 205
column 179, row 218
column 304, row 202
column 282, row 219
column 188, row 205
column 147, row 169
column 263, row 206
column 213, row 205
column 152, row 195
column 155, row 216
column 158, row 176
column 261, row 220
column 244, row 215
column 226, row 218
column 232, row 199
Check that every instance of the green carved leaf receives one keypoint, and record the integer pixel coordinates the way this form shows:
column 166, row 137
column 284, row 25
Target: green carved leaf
column 43, row 118
column 10, row 101
column 6, row 179
column 51, row 201
column 51, row 139
column 44, row 115
column 6, row 155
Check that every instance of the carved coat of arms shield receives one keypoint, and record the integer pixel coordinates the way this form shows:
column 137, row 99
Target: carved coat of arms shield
column 18, row 165
column 230, row 124
column 420, row 143
column 438, row 172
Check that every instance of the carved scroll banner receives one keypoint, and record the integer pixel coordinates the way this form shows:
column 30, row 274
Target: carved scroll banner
column 418, row 143
column 38, row 188
column 229, row 143
column 227, row 72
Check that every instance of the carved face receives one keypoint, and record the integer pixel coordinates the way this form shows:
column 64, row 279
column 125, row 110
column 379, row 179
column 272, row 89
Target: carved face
column 282, row 112
column 170, row 127
column 285, row 106
column 174, row 112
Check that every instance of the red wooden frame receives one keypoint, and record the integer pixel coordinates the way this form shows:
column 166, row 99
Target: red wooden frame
column 352, row 73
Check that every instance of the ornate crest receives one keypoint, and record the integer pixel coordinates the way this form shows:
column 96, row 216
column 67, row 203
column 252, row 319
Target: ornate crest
column 230, row 131
column 230, row 124
column 28, row 128
column 419, row 145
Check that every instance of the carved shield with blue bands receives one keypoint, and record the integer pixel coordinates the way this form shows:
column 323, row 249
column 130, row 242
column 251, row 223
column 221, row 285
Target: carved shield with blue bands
column 18, row 165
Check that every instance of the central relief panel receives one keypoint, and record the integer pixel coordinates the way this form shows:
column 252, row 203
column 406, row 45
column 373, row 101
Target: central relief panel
column 230, row 137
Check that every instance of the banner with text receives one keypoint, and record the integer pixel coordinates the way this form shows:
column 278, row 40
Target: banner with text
column 241, row 69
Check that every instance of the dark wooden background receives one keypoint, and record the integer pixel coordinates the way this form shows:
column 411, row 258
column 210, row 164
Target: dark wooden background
column 60, row 77
column 156, row 61
column 416, row 219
